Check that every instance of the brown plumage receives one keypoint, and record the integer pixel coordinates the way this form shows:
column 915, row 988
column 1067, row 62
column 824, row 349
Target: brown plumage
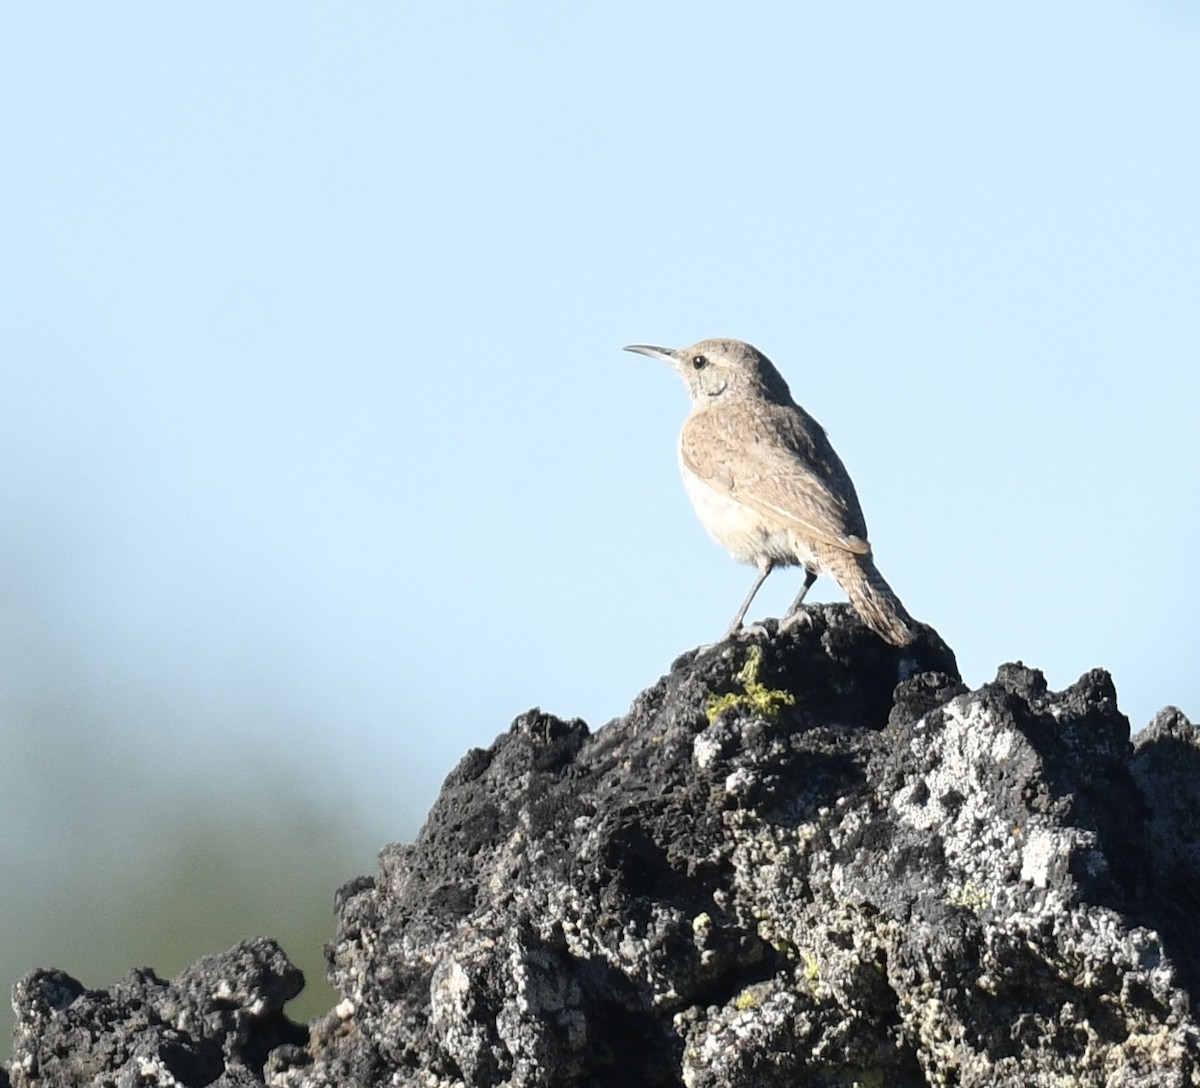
column 768, row 485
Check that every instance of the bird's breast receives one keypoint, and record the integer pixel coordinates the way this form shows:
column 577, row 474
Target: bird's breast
column 744, row 532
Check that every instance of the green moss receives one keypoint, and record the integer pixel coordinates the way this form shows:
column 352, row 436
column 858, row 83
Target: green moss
column 785, row 948
column 970, row 897
column 760, row 700
column 745, row 1001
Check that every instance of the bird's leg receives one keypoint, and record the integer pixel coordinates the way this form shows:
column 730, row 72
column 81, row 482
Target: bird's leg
column 765, row 566
column 794, row 615
column 810, row 576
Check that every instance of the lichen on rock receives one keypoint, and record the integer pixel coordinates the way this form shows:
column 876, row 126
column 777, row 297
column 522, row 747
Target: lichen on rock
column 889, row 880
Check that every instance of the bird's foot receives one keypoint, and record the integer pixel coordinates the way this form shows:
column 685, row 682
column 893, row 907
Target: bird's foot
column 798, row 618
column 752, row 630
column 737, row 631
column 747, row 630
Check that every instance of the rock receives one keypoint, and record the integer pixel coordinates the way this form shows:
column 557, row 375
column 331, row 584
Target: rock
column 801, row 859
column 213, row 1025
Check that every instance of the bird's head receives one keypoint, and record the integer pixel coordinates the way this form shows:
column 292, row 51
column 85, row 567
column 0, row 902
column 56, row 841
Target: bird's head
column 714, row 370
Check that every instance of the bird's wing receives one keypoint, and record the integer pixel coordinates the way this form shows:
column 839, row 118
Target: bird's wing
column 776, row 460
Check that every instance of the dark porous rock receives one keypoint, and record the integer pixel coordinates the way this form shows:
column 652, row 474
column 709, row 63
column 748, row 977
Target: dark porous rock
column 803, row 858
column 1166, row 767
column 216, row 1024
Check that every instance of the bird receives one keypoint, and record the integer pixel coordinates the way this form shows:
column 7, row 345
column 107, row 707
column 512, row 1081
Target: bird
column 768, row 486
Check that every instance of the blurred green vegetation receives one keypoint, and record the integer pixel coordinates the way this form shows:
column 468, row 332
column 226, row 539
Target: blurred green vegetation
column 147, row 820
column 194, row 882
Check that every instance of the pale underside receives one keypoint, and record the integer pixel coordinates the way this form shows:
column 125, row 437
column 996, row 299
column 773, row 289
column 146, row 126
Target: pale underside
column 767, row 485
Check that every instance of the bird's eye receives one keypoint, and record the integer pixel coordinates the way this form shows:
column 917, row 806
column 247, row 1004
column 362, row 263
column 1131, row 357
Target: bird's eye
column 699, row 362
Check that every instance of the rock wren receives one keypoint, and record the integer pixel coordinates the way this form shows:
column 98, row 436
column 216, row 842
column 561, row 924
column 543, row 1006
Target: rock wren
column 767, row 484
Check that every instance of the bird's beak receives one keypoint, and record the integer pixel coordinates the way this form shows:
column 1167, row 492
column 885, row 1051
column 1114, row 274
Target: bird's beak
column 667, row 355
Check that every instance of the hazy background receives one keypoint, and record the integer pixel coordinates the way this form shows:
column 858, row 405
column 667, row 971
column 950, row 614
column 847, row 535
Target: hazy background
column 320, row 460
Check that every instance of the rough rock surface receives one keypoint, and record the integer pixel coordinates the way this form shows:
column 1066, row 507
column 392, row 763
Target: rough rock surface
column 800, row 859
column 214, row 1024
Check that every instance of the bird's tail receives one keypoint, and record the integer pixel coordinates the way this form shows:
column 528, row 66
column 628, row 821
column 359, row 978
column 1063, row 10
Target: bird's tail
column 873, row 599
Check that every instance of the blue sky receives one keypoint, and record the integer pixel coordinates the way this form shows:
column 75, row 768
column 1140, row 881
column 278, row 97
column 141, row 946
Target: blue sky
column 315, row 429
